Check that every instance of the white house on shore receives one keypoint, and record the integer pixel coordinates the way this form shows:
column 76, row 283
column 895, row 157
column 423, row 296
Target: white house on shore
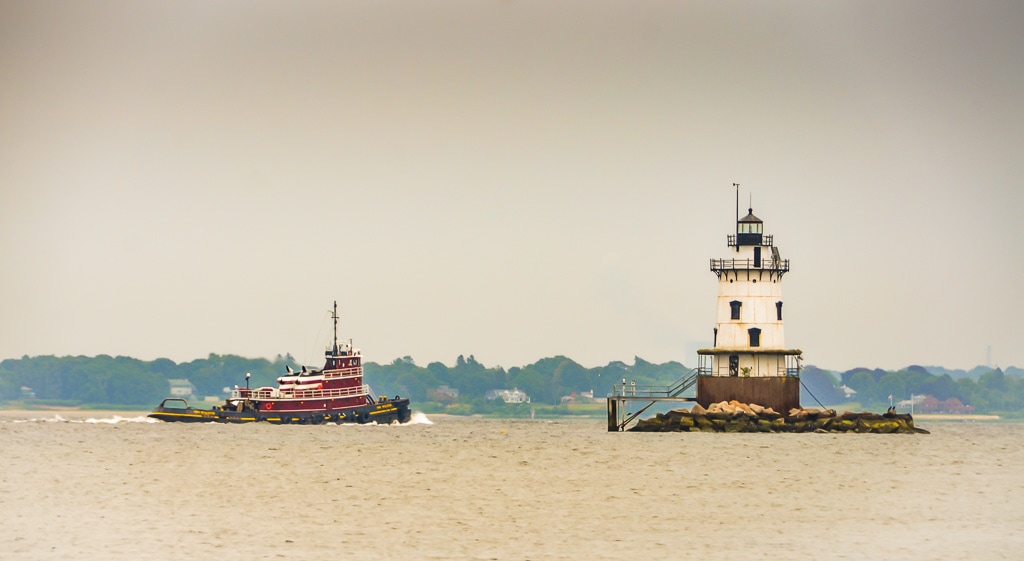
column 181, row 387
column 514, row 395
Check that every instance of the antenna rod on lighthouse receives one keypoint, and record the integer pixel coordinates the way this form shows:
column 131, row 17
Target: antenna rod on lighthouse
column 737, row 186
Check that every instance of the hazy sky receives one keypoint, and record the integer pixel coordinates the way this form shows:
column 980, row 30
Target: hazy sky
column 508, row 179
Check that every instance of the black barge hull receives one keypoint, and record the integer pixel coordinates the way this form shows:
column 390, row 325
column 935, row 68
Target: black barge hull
column 383, row 413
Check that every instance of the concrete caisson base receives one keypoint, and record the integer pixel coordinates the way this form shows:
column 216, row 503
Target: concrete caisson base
column 781, row 393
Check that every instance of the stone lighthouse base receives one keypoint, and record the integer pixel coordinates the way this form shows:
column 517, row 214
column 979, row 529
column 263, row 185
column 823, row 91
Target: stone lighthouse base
column 781, row 393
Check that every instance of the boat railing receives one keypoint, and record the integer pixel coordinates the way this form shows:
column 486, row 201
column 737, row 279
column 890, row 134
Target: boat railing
column 334, row 374
column 174, row 403
column 275, row 393
column 348, row 372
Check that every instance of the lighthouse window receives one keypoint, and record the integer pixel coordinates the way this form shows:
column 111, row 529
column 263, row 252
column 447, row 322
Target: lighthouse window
column 755, row 337
column 735, row 305
column 778, row 310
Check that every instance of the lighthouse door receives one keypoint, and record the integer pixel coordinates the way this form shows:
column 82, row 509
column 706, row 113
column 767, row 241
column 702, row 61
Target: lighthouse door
column 757, row 257
column 734, row 365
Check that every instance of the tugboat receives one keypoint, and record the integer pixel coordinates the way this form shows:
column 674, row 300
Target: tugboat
column 334, row 394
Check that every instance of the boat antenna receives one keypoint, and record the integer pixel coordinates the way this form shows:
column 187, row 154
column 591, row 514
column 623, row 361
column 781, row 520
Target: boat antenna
column 334, row 316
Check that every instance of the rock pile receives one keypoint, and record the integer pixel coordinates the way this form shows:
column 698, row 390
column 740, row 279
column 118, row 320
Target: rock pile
column 734, row 416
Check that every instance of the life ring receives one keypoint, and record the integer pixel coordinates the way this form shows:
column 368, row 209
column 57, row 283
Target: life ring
column 268, row 406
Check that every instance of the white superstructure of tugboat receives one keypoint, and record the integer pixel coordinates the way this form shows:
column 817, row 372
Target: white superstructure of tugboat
column 335, row 393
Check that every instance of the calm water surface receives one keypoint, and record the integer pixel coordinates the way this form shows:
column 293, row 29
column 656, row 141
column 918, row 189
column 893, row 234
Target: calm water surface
column 110, row 488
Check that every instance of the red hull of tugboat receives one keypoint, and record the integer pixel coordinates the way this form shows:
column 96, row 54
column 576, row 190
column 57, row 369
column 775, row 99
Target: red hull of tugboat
column 335, row 393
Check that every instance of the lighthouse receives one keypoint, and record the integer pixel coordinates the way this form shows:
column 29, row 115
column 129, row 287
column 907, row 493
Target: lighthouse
column 749, row 361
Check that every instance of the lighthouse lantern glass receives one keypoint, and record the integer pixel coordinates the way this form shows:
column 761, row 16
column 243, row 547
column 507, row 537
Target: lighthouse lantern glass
column 750, row 227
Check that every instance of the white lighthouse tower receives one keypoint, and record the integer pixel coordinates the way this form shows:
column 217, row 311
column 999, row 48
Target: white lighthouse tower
column 749, row 361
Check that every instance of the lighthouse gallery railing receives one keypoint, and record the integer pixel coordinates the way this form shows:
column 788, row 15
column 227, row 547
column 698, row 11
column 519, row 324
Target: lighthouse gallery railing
column 781, row 265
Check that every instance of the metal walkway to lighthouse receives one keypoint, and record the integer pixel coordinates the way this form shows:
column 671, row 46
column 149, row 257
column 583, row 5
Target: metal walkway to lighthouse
column 623, row 394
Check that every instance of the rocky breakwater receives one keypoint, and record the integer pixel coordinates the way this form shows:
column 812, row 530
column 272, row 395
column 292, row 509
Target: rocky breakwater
column 734, row 416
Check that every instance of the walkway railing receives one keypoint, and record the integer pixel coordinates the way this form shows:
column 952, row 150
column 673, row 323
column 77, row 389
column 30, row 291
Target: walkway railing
column 626, row 392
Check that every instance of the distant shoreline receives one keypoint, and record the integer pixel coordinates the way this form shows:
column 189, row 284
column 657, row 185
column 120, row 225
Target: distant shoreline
column 952, row 417
column 69, row 412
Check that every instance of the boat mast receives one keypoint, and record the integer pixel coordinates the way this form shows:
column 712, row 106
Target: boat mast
column 334, row 315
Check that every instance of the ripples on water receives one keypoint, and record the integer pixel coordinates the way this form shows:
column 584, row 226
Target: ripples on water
column 89, row 486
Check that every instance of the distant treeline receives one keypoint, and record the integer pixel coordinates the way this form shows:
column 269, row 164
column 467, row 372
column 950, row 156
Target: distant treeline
column 545, row 381
column 987, row 390
column 128, row 381
column 124, row 380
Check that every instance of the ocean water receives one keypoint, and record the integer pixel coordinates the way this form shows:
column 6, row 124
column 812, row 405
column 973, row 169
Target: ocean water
column 86, row 486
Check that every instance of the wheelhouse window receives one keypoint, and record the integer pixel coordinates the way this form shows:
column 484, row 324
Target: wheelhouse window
column 735, row 305
column 755, row 337
column 778, row 310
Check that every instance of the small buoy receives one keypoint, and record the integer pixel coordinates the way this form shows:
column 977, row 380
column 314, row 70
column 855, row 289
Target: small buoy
column 502, row 431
